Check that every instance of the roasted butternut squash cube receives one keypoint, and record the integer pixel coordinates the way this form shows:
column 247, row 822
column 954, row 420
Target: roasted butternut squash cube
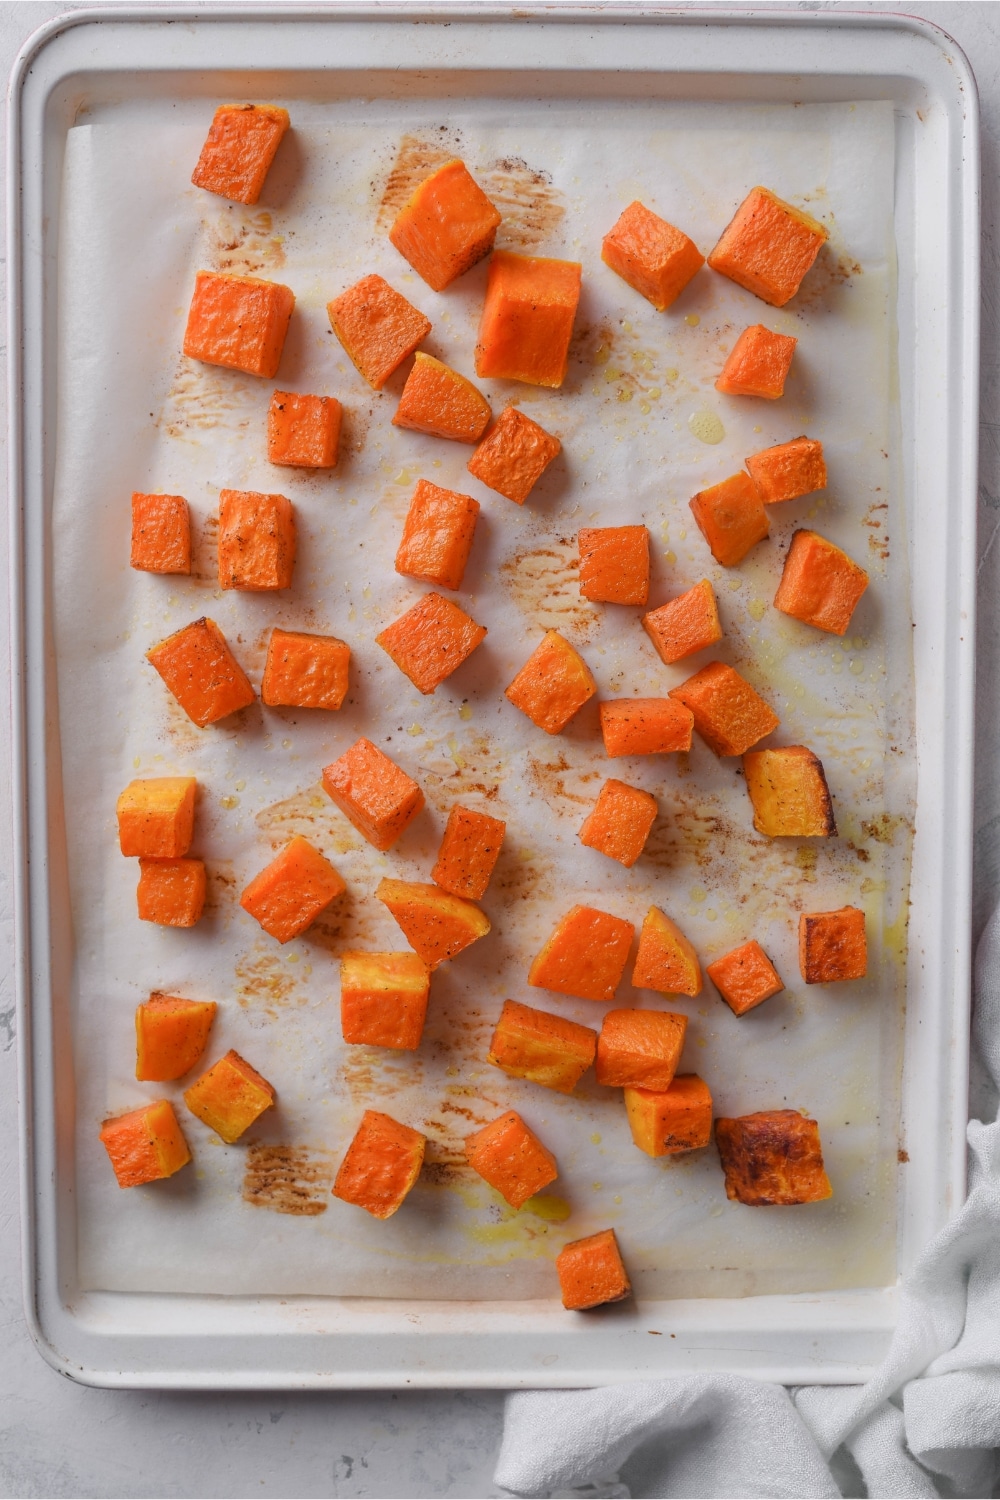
column 731, row 517
column 373, row 793
column 640, row 1048
column 289, row 893
column 527, row 319
column 377, row 327
column 554, row 684
column 541, row 1047
column 383, row 999
column 469, row 850
column 511, row 1158
column 303, row 432
column 758, row 364
column 438, row 400
column 768, row 247
column 686, row 624
column 645, row 726
column 202, row 673
column 242, row 140
column 651, row 255
column 513, row 455
column 156, row 817
column 745, row 977
column 437, row 535
column 171, row 892
column 436, row 924
column 256, row 541
column 161, row 534
column 620, row 822
column 665, row 961
column 833, row 945
column 446, row 225
column 146, row 1144
column 591, row 1272
column 170, row 1036
column 729, row 714
column 820, row 584
column 772, row 1157
column 614, row 564
column 668, row 1122
column 230, row 1097
column 305, row 671
column 431, row 640
column 382, row 1163
column 585, row 956
column 788, row 470
column 789, row 793
column 239, row 322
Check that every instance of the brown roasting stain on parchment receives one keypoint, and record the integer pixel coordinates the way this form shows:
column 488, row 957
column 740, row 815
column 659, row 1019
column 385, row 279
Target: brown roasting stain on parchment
column 416, row 158
column 545, row 585
column 264, row 984
column 242, row 248
column 200, row 399
column 287, row 1179
column 308, row 814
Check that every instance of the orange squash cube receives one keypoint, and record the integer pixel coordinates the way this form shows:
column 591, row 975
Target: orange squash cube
column 201, row 672
column 833, row 945
column 382, row 1163
column 289, row 893
column 513, row 455
column 591, row 1272
column 758, row 364
column 303, row 432
column 145, row 1145
column 437, row 535
column 256, row 541
column 620, row 822
column 640, row 1048
column 768, row 247
column 614, row 564
column 585, row 956
column 156, row 817
column 651, row 255
column 436, row 924
column 684, row 625
column 305, row 671
column 171, row 892
column 772, row 1157
column 161, row 534
column 373, row 793
column 469, row 850
column 788, row 470
column 554, row 684
column 431, row 640
column 377, row 327
column 665, row 960
column 789, row 793
column 527, row 319
column 383, row 999
column 436, row 399
column 239, row 322
column 242, row 140
column 511, row 1158
column 170, row 1036
column 645, row 726
column 230, row 1097
column 677, row 1119
column 542, row 1048
column 731, row 517
column 728, row 713
column 745, row 977
column 820, row 584
column 446, row 226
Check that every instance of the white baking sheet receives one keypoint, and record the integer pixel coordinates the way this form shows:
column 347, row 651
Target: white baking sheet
column 134, row 414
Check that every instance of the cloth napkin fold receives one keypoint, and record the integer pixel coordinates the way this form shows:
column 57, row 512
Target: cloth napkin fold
column 927, row 1423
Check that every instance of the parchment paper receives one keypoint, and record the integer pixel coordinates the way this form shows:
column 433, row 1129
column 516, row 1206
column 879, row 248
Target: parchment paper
column 134, row 414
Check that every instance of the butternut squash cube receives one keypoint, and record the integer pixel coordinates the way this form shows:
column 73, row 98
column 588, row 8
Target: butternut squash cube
column 303, row 432
column 469, row 850
column 788, row 470
column 437, row 400
column 554, row 684
column 230, row 1097
column 171, row 892
column 820, row 584
column 156, row 817
column 239, row 322
column 289, row 893
column 620, row 822
column 161, row 534
column 758, row 364
column 833, row 946
column 146, row 1144
column 789, row 793
column 382, row 1163
column 433, row 922
column 768, row 247
column 242, row 140
column 256, row 541
column 170, row 1036
column 305, row 671
column 591, row 1272
column 666, row 961
column 651, row 255
column 541, row 1047
column 511, row 1158
column 202, row 673
column 728, row 713
column 585, row 956
column 731, row 517
column 446, row 225
column 666, row 1123
column 377, row 327
column 745, row 977
column 383, row 999
column 640, row 1048
column 614, row 564
column 772, row 1157
column 437, row 535
column 431, row 640
column 373, row 793
column 513, row 455
column 527, row 319
column 645, row 726
column 686, row 624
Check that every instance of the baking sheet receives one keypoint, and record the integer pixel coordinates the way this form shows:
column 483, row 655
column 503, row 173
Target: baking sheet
column 133, row 414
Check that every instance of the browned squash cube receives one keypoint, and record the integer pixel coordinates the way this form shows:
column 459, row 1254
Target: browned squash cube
column 373, row 793
column 541, row 1047
column 833, row 945
column 382, row 1163
column 728, row 713
column 620, row 822
column 772, row 1157
column 305, row 671
column 431, row 640
column 289, row 893
column 383, row 999
column 664, row 1123
column 591, row 1272
column 640, row 1048
column 511, row 1158
column 230, row 1097
column 554, row 684
column 585, row 956
column 789, row 793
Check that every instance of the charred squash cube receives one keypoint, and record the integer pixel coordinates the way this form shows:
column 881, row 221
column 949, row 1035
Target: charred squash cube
column 833, row 945
column 772, row 1157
